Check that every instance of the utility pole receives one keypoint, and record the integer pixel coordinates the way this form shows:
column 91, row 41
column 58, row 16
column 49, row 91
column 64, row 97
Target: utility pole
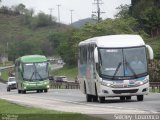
column 51, row 9
column 58, row 12
column 71, row 15
column 99, row 12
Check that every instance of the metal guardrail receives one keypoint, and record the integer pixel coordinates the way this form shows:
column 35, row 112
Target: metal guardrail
column 2, row 81
column 5, row 68
column 155, row 86
column 64, row 85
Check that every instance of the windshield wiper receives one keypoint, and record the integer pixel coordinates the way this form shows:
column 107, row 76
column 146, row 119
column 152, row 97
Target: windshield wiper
column 131, row 69
column 39, row 75
column 119, row 65
column 32, row 76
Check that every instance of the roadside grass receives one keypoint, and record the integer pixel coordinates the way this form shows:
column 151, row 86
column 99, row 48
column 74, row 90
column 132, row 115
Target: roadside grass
column 71, row 73
column 154, row 90
column 12, row 110
column 9, row 63
column 4, row 75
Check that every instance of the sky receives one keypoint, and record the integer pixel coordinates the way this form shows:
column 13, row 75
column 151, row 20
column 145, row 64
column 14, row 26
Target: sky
column 81, row 8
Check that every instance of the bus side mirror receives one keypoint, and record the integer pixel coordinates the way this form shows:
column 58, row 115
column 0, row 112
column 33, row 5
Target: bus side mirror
column 150, row 51
column 96, row 55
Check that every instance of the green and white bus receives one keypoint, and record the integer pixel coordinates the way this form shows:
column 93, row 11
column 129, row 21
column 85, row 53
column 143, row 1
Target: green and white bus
column 31, row 72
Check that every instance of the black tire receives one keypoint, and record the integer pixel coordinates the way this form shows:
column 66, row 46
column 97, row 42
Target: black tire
column 45, row 90
column 122, row 98
column 38, row 91
column 139, row 97
column 19, row 91
column 88, row 98
column 128, row 97
column 85, row 90
column 24, row 91
column 95, row 98
column 101, row 99
column 8, row 89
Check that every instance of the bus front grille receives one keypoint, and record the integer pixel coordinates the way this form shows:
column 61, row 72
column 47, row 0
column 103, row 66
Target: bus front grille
column 125, row 91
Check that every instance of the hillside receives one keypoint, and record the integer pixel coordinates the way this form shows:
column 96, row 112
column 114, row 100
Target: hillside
column 17, row 39
column 12, row 29
column 14, row 34
column 81, row 23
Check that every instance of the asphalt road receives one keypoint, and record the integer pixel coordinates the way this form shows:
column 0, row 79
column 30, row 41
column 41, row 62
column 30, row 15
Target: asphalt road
column 74, row 101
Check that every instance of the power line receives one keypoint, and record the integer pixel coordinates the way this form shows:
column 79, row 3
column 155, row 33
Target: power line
column 58, row 13
column 99, row 12
column 51, row 9
column 71, row 15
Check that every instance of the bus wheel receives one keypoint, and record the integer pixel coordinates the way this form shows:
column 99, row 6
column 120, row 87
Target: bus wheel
column 45, row 90
column 101, row 99
column 19, row 91
column 40, row 91
column 89, row 98
column 8, row 89
column 122, row 98
column 139, row 97
column 128, row 97
column 24, row 91
column 95, row 98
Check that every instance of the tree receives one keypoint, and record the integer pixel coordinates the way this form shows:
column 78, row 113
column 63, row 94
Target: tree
column 151, row 21
column 19, row 8
column 148, row 15
column 123, row 11
column 68, row 47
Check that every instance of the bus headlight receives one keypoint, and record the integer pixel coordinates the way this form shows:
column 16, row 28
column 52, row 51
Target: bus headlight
column 45, row 83
column 26, row 84
column 142, row 82
column 48, row 86
column 106, row 84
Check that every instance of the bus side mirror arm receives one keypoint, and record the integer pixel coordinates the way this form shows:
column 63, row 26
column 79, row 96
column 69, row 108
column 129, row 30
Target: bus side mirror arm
column 96, row 55
column 150, row 51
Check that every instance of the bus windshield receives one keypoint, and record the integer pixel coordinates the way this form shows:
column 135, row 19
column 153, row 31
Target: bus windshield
column 35, row 71
column 124, row 63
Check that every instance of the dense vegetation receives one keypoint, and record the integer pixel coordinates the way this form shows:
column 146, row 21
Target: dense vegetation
column 21, row 33
column 24, row 33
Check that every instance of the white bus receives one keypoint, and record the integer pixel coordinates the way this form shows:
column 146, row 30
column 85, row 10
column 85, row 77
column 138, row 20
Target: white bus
column 114, row 66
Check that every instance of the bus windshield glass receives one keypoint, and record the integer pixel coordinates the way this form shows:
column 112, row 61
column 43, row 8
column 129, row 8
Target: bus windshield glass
column 35, row 71
column 124, row 63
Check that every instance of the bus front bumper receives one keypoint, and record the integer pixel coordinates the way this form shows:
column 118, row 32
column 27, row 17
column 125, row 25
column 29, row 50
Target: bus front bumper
column 36, row 86
column 117, row 92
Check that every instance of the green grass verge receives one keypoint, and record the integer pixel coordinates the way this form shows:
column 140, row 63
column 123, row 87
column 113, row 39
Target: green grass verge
column 155, row 90
column 4, row 75
column 11, row 110
column 9, row 63
column 71, row 73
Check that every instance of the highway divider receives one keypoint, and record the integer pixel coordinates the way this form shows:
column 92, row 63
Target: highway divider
column 155, row 86
column 64, row 85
